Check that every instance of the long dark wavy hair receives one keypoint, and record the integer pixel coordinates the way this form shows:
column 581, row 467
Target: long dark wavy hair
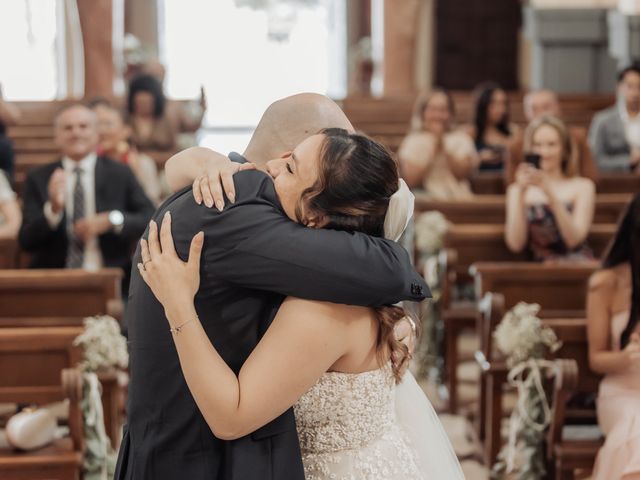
column 483, row 94
column 150, row 84
column 625, row 247
column 356, row 178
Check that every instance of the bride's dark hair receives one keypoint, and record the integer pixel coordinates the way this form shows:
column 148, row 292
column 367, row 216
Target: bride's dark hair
column 356, row 178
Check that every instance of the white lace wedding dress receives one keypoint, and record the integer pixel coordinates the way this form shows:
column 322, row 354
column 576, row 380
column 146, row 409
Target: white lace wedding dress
column 352, row 427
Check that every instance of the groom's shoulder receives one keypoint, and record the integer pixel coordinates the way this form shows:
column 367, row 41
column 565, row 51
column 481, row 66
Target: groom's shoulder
column 254, row 185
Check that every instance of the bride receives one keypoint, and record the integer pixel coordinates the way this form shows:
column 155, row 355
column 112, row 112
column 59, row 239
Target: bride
column 330, row 361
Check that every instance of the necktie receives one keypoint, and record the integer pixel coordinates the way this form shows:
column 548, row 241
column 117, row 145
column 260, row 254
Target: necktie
column 75, row 253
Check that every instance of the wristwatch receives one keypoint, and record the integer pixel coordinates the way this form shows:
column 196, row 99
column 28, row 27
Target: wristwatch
column 116, row 218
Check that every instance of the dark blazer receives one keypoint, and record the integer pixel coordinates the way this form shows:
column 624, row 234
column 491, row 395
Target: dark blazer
column 116, row 188
column 253, row 257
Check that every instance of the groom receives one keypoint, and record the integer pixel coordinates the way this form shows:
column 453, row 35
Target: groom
column 253, row 257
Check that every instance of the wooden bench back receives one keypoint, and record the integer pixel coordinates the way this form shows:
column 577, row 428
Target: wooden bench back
column 557, row 288
column 31, row 362
column 485, row 242
column 491, row 209
column 59, row 293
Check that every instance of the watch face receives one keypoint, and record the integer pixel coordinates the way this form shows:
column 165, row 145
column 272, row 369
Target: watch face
column 116, row 218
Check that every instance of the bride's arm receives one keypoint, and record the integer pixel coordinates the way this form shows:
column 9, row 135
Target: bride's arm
column 287, row 362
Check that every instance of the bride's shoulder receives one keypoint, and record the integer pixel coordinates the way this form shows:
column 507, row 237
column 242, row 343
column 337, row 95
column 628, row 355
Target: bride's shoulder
column 335, row 312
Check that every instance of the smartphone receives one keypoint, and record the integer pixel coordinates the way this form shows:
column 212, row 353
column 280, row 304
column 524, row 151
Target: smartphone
column 532, row 159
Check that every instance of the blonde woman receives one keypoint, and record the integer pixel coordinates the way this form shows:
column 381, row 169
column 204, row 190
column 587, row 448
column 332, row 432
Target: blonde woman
column 549, row 207
column 435, row 156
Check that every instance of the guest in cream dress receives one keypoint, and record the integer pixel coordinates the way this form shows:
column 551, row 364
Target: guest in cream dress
column 434, row 155
column 614, row 350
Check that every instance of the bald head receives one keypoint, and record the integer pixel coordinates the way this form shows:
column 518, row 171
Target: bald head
column 289, row 121
column 541, row 102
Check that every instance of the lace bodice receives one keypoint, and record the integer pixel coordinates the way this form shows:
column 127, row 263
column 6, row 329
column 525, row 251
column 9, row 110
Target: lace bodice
column 345, row 410
column 347, row 429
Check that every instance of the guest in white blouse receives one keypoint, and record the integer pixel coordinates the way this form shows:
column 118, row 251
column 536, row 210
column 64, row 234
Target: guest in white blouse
column 435, row 155
column 10, row 216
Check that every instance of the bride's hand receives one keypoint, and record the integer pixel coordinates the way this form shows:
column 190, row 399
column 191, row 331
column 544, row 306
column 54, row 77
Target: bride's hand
column 208, row 188
column 172, row 281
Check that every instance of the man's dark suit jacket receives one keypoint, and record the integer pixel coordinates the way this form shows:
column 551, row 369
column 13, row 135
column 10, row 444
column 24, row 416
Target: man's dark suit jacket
column 116, row 188
column 253, row 256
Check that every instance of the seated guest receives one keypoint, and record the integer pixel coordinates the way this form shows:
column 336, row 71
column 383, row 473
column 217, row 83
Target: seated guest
column 549, row 208
column 114, row 143
column 9, row 115
column 492, row 131
column 545, row 102
column 83, row 211
column 151, row 127
column 434, row 155
column 613, row 311
column 186, row 116
column 615, row 132
column 10, row 216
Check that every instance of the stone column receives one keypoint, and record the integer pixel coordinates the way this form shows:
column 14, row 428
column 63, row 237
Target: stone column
column 570, row 49
column 400, row 30
column 96, row 22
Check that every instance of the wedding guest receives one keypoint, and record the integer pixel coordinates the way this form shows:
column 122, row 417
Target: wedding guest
column 151, row 127
column 9, row 115
column 434, row 155
column 187, row 116
column 85, row 210
column 613, row 310
column 615, row 132
column 10, row 216
column 549, row 207
column 492, row 130
column 114, row 143
column 537, row 103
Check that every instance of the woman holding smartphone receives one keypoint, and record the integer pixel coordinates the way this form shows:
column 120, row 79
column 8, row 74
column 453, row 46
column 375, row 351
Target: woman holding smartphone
column 549, row 207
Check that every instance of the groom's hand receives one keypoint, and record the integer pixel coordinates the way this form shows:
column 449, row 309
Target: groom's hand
column 218, row 178
column 405, row 332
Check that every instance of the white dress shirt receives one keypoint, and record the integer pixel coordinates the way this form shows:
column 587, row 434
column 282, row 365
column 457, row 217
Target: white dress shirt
column 92, row 254
column 631, row 126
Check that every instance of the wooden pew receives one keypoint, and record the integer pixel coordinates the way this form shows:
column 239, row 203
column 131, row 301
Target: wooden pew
column 8, row 253
column 32, row 364
column 536, row 283
column 492, row 208
column 485, row 242
column 53, row 347
column 561, row 292
column 564, row 454
column 59, row 293
column 572, row 334
column 463, row 246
